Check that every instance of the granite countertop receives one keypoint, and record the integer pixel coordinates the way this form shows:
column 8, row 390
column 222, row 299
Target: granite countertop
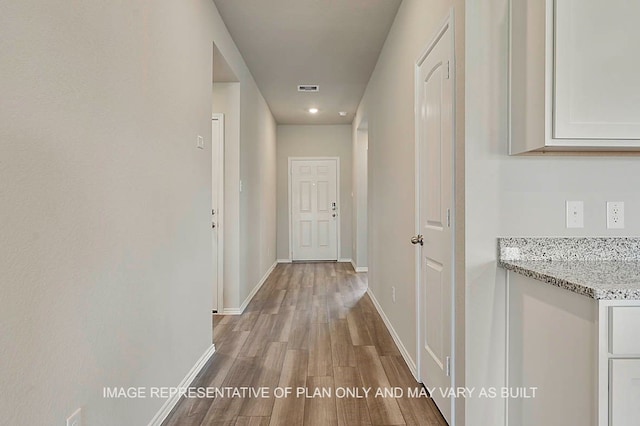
column 600, row 268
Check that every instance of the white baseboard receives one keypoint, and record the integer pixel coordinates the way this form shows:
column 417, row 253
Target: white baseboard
column 240, row 310
column 343, row 260
column 359, row 268
column 403, row 351
column 171, row 402
column 283, row 261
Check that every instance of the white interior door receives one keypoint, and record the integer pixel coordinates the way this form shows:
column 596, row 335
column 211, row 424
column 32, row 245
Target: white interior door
column 314, row 209
column 435, row 133
column 217, row 202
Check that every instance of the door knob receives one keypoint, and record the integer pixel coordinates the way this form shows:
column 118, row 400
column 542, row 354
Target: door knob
column 417, row 240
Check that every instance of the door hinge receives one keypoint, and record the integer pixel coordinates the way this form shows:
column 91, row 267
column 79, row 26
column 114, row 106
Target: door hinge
column 448, row 218
column 448, row 71
column 448, row 366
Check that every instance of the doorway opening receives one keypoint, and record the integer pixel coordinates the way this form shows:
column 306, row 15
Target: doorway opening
column 360, row 197
column 225, row 123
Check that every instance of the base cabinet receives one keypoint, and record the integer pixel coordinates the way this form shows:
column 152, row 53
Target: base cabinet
column 582, row 355
column 619, row 363
column 624, row 392
column 552, row 345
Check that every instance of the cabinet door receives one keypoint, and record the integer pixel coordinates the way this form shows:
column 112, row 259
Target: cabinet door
column 596, row 69
column 624, row 408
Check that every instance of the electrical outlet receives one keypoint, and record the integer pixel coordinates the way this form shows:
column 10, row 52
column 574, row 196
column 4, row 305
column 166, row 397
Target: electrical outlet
column 75, row 419
column 575, row 214
column 615, row 214
column 393, row 294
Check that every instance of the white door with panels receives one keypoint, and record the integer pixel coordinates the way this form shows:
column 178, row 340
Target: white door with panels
column 313, row 185
column 434, row 199
column 217, row 200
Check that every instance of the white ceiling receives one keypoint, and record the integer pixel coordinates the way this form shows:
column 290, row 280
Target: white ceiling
column 332, row 43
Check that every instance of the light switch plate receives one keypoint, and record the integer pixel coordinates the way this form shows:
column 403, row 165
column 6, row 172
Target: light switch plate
column 200, row 142
column 575, row 214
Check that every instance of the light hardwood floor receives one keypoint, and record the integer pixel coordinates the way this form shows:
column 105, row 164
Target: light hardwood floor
column 311, row 326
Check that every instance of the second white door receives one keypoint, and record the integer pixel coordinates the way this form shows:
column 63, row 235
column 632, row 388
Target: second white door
column 217, row 202
column 314, row 209
column 435, row 131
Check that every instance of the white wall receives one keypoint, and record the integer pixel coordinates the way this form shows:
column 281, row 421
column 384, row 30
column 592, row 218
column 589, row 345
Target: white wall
column 517, row 196
column 105, row 261
column 258, row 197
column 315, row 141
column 388, row 105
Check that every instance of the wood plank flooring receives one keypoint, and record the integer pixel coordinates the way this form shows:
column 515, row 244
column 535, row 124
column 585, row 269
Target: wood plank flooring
column 311, row 327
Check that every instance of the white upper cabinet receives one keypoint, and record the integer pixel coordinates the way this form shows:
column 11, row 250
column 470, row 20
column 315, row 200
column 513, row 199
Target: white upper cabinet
column 574, row 75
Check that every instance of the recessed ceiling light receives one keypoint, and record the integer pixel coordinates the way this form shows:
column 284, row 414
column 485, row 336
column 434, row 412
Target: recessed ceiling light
column 313, row 110
column 342, row 113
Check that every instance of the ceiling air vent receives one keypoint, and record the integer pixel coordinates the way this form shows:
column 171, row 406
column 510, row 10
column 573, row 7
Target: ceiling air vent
column 308, row 88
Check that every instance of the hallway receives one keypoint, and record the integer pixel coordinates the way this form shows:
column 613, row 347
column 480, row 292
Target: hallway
column 310, row 326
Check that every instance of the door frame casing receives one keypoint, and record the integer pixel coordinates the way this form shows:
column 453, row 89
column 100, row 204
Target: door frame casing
column 220, row 213
column 290, row 160
column 448, row 24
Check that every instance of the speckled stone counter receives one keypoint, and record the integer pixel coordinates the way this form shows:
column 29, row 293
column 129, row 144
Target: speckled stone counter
column 600, row 268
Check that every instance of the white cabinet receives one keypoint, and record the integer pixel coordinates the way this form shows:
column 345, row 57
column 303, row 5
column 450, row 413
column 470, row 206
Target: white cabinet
column 619, row 363
column 582, row 355
column 574, row 75
column 552, row 346
column 624, row 330
column 625, row 392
